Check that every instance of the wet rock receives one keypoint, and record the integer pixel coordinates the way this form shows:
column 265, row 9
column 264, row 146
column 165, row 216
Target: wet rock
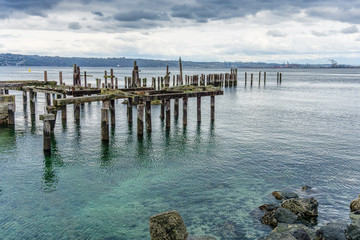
column 332, row 231
column 306, row 187
column 279, row 195
column 290, row 232
column 269, row 219
column 353, row 215
column 305, row 208
column 353, row 230
column 355, row 204
column 283, row 215
column 268, row 207
column 167, row 226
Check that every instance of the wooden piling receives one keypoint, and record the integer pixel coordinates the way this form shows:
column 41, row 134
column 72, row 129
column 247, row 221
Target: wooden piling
column 129, row 110
column 280, row 77
column 212, row 108
column 46, row 118
column 105, row 124
column 167, row 103
column 11, row 114
column 105, row 76
column 185, row 103
column 162, row 110
column 245, row 78
column 140, row 119
column 64, row 110
column 25, row 97
column 77, row 112
column 112, row 78
column 277, row 77
column 112, row 112
column 45, row 76
column 60, row 78
column 148, row 115
column 32, row 102
column 259, row 77
column 181, row 72
column 116, row 83
column 48, row 99
column 264, row 78
column 252, row 78
column 176, row 108
column 198, row 109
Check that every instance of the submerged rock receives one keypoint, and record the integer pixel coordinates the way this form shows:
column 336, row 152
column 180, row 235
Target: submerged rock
column 353, row 230
column 268, row 207
column 306, row 187
column 332, row 231
column 290, row 232
column 226, row 230
column 353, row 215
column 283, row 215
column 305, row 208
column 200, row 238
column 279, row 195
column 355, row 204
column 167, row 226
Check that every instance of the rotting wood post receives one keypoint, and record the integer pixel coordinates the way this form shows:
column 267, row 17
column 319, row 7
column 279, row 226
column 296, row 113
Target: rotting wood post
column 140, row 119
column 129, row 110
column 173, row 80
column 60, row 78
column 116, row 83
column 259, row 77
column 125, row 82
column 212, row 108
column 176, row 108
column 1, row 91
column 158, row 81
column 231, row 80
column 104, row 124
column 47, row 118
column 77, row 112
column 162, row 83
column 64, row 110
column 112, row 112
column 25, row 97
column 280, row 77
column 235, row 77
column 264, row 78
column 11, row 114
column 45, row 76
column 32, row 102
column 245, row 78
column 105, row 76
column 181, row 72
column 185, row 103
column 6, row 91
column 167, row 103
column 48, row 99
column 112, row 78
column 153, row 82
column 162, row 110
column 277, row 77
column 148, row 115
column 252, row 78
column 198, row 109
column 144, row 82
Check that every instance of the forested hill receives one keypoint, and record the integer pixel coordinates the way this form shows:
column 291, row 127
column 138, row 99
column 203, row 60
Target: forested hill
column 8, row 59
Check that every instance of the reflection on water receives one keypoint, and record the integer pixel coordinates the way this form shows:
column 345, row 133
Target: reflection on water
column 49, row 177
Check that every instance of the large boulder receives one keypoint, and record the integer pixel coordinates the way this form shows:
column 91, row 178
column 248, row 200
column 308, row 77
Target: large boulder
column 305, row 208
column 355, row 204
column 167, row 226
column 353, row 230
column 278, row 215
column 290, row 232
column 353, row 215
column 280, row 195
column 332, row 231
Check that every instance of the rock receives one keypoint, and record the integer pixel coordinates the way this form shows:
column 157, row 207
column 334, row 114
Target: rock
column 332, row 231
column 353, row 215
column 268, row 207
column 269, row 219
column 283, row 215
column 353, row 230
column 305, row 208
column 167, row 226
column 306, row 187
column 284, row 195
column 290, row 232
column 355, row 204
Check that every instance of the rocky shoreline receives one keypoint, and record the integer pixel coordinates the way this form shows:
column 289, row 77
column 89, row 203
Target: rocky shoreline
column 292, row 218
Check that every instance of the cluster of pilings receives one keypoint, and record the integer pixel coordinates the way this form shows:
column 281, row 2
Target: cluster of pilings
column 278, row 78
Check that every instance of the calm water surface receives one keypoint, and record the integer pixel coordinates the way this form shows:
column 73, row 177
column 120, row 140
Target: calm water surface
column 304, row 132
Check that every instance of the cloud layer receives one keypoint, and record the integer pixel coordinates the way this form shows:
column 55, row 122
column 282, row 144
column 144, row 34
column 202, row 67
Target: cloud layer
column 275, row 30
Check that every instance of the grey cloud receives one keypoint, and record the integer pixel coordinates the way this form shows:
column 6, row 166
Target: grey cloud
column 100, row 14
column 320, row 34
column 133, row 16
column 275, row 33
column 350, row 30
column 74, row 25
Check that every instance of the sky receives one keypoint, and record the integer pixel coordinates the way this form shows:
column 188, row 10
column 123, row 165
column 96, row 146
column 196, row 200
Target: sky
column 295, row 31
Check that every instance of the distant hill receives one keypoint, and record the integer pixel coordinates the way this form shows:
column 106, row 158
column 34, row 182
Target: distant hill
column 8, row 59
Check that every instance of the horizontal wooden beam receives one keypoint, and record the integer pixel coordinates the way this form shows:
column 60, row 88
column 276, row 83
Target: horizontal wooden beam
column 178, row 95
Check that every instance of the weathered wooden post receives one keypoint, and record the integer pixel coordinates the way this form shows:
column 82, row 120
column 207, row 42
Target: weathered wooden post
column 85, row 79
column 24, row 97
column 6, row 91
column 129, row 110
column 48, row 99
column 105, row 76
column 173, row 80
column 116, row 83
column 32, row 102
column 167, row 77
column 252, row 78
column 181, row 73
column 148, row 115
column 176, row 108
column 125, row 82
column 245, row 78
column 158, row 83
column 45, row 76
column 60, row 78
column 277, row 77
column 212, row 108
column 77, row 112
column 185, row 102
column 63, row 110
column 7, row 109
column 144, row 82
column 167, row 103
column 11, row 113
column 235, row 77
column 112, row 112
column 47, row 118
column 162, row 110
column 140, row 119
column 105, row 122
column 198, row 109
column 259, row 77
column 280, row 77
column 112, row 78
column 264, row 78
column 153, row 82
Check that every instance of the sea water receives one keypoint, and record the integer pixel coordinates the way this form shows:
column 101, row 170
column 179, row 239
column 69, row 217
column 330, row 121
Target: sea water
column 305, row 131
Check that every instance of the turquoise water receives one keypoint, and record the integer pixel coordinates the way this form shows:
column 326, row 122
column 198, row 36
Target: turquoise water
column 304, row 132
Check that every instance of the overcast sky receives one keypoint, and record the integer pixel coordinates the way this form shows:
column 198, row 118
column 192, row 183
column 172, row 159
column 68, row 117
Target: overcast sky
column 206, row 30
